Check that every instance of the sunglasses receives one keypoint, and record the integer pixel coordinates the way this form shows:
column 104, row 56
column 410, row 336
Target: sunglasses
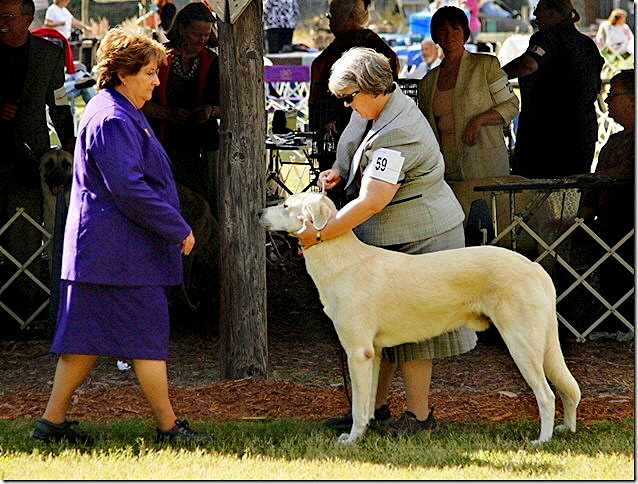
column 615, row 94
column 348, row 98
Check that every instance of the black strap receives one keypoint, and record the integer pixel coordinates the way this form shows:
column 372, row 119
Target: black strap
column 420, row 195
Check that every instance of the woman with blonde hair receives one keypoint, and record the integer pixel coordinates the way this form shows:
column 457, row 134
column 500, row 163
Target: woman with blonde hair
column 614, row 35
column 559, row 79
column 122, row 244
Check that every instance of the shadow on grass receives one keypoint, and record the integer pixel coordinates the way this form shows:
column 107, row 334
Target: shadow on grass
column 454, row 445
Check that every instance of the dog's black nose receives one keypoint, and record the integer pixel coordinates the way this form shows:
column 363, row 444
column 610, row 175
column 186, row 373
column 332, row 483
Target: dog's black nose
column 260, row 212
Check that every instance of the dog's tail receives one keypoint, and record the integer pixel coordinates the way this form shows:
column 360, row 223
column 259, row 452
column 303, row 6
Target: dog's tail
column 556, row 369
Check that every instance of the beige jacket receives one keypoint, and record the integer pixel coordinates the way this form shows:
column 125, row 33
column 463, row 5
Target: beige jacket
column 472, row 95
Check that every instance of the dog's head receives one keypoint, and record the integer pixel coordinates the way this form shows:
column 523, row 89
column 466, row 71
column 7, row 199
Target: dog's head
column 315, row 207
column 56, row 170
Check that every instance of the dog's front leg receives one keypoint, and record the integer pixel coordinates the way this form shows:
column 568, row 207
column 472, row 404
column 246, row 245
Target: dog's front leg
column 376, row 365
column 361, row 364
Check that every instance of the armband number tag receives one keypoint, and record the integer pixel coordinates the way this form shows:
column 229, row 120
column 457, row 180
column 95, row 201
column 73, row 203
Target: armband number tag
column 536, row 49
column 501, row 90
column 385, row 165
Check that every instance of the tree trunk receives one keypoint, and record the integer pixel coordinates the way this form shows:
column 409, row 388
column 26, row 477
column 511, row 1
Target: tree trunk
column 242, row 170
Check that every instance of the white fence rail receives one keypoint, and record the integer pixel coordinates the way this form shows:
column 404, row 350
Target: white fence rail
column 42, row 303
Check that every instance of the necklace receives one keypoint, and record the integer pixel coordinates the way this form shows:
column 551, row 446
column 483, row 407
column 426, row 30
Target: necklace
column 178, row 67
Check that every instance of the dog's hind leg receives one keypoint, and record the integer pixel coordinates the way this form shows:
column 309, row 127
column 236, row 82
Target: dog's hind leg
column 530, row 364
column 563, row 380
column 361, row 365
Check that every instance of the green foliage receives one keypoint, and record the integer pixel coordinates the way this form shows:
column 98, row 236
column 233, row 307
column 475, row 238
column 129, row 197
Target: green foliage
column 301, row 450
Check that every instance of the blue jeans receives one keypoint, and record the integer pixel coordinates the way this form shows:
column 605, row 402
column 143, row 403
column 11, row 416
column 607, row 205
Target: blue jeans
column 69, row 86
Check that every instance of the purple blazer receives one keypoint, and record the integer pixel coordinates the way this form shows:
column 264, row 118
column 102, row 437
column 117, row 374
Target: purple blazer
column 124, row 226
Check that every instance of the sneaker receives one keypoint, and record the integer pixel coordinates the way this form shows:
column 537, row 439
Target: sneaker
column 181, row 433
column 409, row 424
column 84, row 82
column 382, row 416
column 49, row 432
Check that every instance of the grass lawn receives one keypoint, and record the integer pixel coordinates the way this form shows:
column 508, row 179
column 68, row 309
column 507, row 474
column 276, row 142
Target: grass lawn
column 305, row 450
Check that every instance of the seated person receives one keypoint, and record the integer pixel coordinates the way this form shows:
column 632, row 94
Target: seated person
column 610, row 209
column 614, row 36
column 79, row 84
column 609, row 212
column 77, row 81
column 430, row 58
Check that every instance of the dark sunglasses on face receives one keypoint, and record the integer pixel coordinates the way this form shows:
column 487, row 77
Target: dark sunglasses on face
column 348, row 98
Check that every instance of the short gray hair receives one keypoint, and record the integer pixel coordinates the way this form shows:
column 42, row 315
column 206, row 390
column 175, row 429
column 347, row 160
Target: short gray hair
column 363, row 69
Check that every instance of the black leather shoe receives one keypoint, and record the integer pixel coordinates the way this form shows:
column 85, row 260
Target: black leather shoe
column 382, row 416
column 49, row 432
column 181, row 433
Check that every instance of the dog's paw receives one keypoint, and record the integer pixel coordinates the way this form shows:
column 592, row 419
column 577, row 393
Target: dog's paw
column 563, row 428
column 540, row 441
column 345, row 439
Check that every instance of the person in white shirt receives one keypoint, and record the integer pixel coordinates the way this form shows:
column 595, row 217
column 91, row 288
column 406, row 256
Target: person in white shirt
column 59, row 18
column 79, row 83
column 431, row 57
column 614, row 35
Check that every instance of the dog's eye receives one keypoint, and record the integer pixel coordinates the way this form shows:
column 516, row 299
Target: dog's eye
column 49, row 164
column 285, row 206
column 66, row 164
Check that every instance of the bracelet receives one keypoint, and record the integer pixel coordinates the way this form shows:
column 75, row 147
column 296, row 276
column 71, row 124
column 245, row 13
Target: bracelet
column 318, row 236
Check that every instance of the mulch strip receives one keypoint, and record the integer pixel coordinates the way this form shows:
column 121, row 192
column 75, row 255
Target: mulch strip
column 270, row 400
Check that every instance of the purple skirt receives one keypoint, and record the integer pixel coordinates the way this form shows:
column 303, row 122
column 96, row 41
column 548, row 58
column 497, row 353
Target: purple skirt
column 120, row 321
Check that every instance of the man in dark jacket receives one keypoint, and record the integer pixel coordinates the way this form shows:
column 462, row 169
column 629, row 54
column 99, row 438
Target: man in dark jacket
column 32, row 78
column 327, row 115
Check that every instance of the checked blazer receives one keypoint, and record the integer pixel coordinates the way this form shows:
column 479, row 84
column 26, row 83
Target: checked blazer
column 424, row 206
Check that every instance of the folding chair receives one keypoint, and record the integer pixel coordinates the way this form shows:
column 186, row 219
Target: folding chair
column 287, row 88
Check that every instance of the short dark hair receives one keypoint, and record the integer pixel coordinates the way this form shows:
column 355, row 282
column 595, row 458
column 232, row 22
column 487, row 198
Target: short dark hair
column 627, row 80
column 28, row 7
column 189, row 13
column 565, row 8
column 454, row 16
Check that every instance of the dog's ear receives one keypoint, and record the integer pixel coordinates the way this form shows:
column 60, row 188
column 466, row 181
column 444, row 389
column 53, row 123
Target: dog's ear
column 317, row 212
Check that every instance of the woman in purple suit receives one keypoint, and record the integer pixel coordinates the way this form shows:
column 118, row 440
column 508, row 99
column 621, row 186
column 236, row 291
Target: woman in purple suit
column 122, row 243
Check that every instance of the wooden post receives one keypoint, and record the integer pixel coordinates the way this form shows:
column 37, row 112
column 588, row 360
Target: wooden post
column 242, row 172
column 84, row 12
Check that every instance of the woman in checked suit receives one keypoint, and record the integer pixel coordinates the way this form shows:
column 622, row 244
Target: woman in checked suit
column 390, row 162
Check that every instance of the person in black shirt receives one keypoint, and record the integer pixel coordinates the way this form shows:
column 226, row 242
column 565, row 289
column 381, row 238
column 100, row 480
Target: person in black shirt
column 559, row 78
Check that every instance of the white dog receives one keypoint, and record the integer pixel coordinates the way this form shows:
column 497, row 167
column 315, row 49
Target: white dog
column 378, row 298
column 56, row 175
